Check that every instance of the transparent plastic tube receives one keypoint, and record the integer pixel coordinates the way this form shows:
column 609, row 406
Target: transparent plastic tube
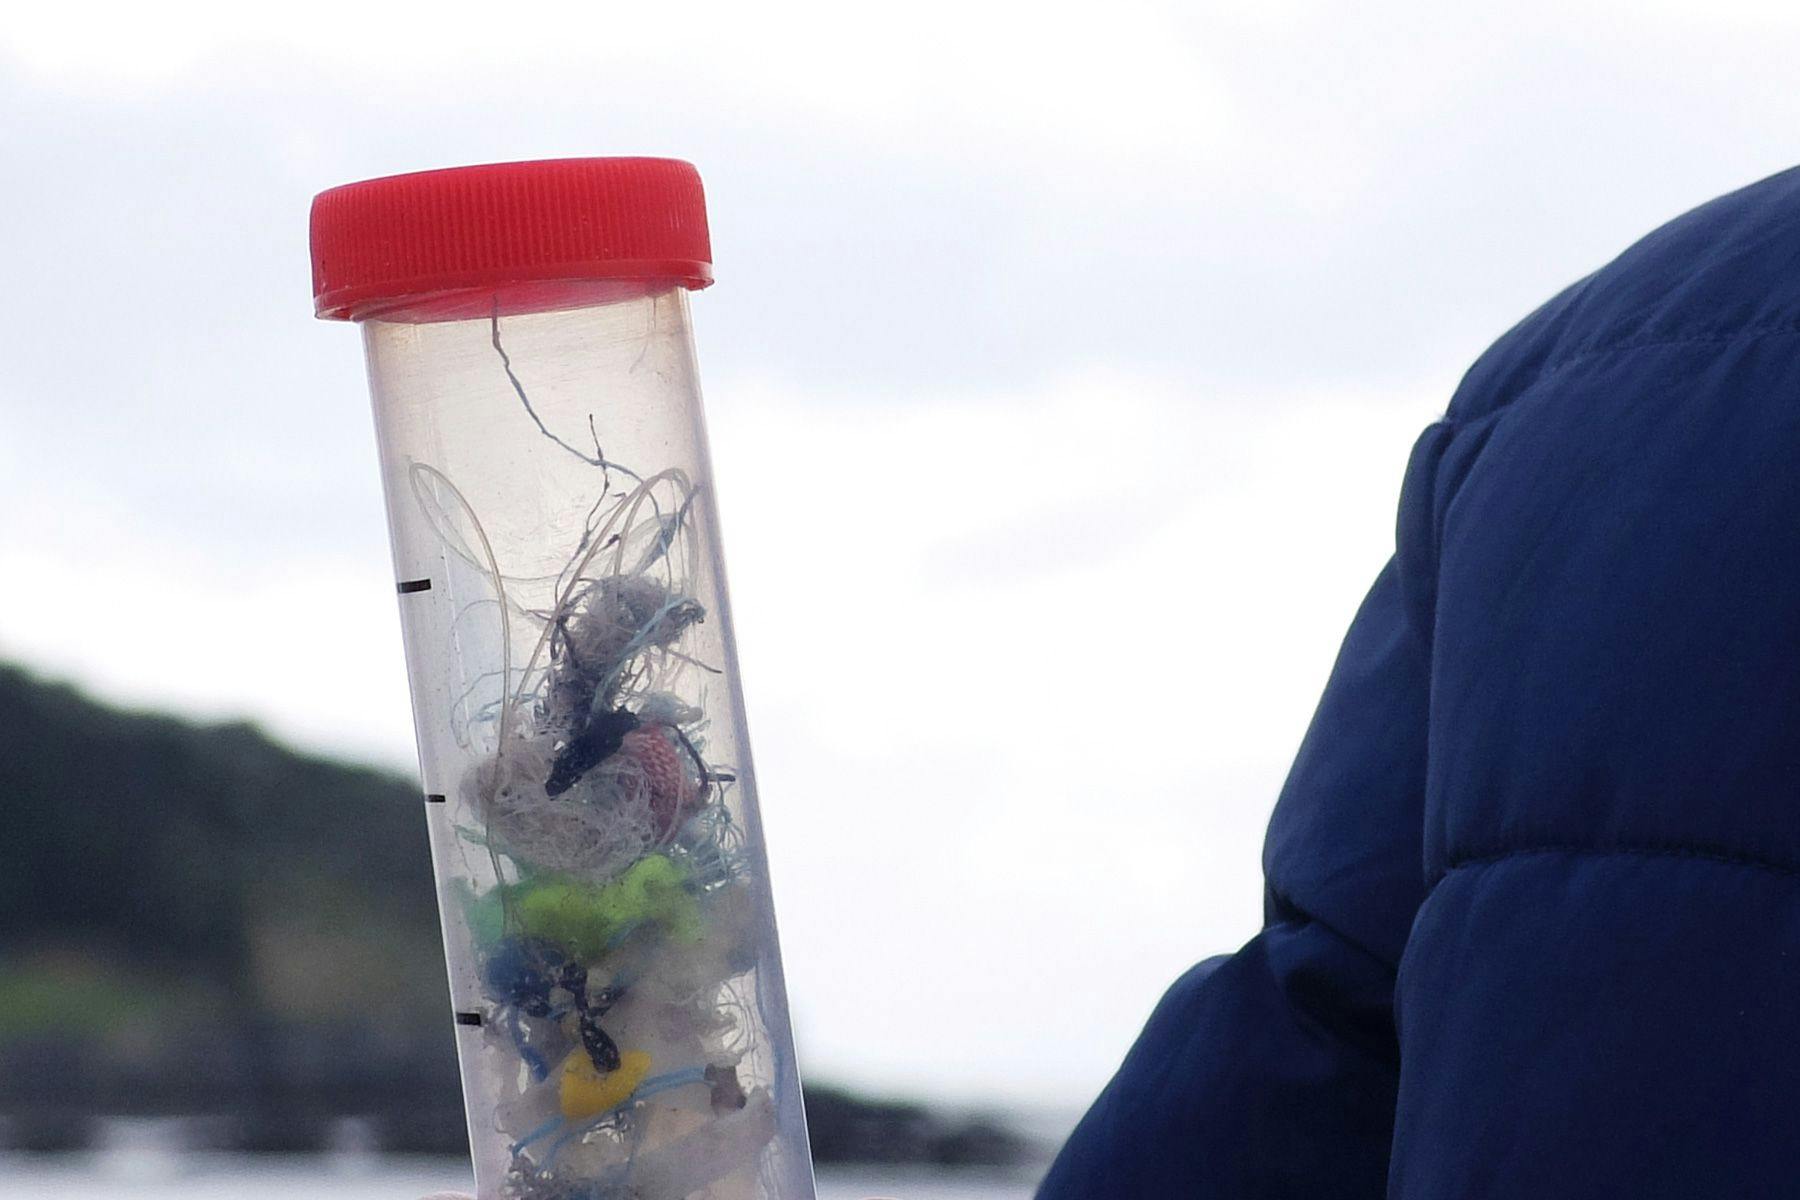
column 616, row 982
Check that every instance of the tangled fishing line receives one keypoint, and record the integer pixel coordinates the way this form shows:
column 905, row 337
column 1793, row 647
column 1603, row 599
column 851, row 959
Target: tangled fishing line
column 621, row 916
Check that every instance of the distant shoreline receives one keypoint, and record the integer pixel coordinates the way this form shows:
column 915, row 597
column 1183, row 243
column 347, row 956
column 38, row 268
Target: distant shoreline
column 144, row 1173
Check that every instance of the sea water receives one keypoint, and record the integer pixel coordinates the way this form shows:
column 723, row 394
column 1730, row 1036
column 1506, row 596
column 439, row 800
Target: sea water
column 153, row 1174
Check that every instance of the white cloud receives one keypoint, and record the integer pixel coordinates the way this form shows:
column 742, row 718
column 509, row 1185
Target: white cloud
column 1032, row 767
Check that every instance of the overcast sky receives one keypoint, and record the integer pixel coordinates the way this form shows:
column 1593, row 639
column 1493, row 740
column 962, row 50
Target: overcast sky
column 1061, row 371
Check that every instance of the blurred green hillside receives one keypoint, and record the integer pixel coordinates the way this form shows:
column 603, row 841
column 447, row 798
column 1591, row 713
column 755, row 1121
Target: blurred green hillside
column 196, row 920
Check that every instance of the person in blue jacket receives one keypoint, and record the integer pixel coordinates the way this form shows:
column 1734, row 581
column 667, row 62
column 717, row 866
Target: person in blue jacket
column 1533, row 884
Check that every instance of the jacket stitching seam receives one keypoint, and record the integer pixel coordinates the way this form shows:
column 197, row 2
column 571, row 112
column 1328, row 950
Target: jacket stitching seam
column 1750, row 333
column 1754, row 333
column 1703, row 854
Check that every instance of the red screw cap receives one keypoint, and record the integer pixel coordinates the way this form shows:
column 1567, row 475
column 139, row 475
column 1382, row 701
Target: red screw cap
column 405, row 240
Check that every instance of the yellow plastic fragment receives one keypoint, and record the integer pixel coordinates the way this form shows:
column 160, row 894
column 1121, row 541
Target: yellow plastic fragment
column 585, row 1092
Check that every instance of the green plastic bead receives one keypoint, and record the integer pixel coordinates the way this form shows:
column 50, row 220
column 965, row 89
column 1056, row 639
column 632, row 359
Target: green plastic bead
column 589, row 919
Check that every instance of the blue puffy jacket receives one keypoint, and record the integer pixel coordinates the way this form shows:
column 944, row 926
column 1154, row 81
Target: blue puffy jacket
column 1533, row 885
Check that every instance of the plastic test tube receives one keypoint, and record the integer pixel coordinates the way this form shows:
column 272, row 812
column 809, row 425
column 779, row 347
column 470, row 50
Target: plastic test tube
column 616, row 984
